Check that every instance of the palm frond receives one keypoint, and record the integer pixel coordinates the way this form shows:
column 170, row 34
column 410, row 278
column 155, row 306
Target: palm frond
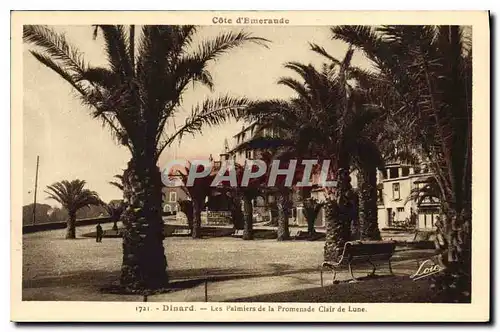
column 56, row 46
column 322, row 51
column 210, row 112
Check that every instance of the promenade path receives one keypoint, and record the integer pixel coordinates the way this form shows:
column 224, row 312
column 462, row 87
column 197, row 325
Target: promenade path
column 59, row 269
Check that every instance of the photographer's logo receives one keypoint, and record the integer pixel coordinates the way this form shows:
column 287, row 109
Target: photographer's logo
column 427, row 268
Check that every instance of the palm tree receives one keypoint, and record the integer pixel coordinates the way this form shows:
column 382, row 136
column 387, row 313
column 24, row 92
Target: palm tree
column 311, row 210
column 186, row 207
column 135, row 96
column 72, row 196
column 426, row 72
column 198, row 192
column 371, row 143
column 115, row 209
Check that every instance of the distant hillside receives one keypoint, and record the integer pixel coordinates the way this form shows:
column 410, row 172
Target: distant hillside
column 46, row 213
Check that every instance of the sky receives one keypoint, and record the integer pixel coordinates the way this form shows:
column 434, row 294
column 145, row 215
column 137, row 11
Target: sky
column 72, row 145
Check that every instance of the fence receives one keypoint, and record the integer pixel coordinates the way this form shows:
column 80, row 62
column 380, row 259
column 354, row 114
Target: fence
column 62, row 224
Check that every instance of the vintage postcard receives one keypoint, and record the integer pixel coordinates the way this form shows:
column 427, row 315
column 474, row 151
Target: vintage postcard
column 250, row 166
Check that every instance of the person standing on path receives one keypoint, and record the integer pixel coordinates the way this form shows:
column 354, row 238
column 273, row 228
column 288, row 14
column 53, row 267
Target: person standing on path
column 99, row 233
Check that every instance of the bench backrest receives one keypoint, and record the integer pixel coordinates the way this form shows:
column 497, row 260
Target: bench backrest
column 368, row 249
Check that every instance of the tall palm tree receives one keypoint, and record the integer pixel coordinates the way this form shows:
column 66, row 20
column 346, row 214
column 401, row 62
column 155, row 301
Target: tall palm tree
column 73, row 197
column 135, row 96
column 371, row 145
column 427, row 72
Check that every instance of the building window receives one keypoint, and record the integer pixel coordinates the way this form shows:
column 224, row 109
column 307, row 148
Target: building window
column 248, row 154
column 173, row 197
column 400, row 209
column 393, row 172
column 379, row 195
column 395, row 191
column 406, row 171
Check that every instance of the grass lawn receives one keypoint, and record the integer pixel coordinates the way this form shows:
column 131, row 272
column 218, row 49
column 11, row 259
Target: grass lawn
column 400, row 289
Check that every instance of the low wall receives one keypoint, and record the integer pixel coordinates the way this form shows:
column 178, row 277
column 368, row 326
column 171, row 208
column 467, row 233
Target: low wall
column 62, row 224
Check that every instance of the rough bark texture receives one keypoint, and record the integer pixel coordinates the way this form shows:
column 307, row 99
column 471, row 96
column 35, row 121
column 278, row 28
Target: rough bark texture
column 338, row 209
column 71, row 226
column 248, row 218
column 310, row 211
column 186, row 207
column 273, row 208
column 197, row 206
column 236, row 214
column 284, row 205
column 368, row 212
column 144, row 263
column 453, row 242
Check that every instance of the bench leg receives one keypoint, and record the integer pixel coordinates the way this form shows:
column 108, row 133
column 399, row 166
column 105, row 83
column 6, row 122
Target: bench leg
column 321, row 274
column 352, row 274
column 334, row 274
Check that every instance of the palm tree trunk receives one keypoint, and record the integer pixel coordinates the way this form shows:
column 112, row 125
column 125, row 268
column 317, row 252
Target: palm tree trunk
column 283, row 201
column 71, row 226
column 144, row 262
column 197, row 206
column 273, row 209
column 248, row 218
column 115, row 225
column 236, row 214
column 453, row 242
column 368, row 212
column 186, row 207
column 338, row 217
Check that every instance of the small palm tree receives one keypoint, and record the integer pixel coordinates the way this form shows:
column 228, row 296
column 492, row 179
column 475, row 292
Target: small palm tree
column 115, row 209
column 311, row 210
column 72, row 196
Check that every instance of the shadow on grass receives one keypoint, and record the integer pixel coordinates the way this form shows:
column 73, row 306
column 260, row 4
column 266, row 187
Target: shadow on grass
column 386, row 289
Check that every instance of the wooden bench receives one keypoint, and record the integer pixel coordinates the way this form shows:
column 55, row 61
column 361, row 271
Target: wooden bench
column 237, row 233
column 181, row 232
column 361, row 252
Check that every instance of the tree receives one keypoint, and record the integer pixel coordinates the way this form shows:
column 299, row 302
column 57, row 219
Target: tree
column 311, row 210
column 135, row 96
column 326, row 121
column 186, row 207
column 72, row 196
column 198, row 191
column 370, row 144
column 115, row 209
column 426, row 72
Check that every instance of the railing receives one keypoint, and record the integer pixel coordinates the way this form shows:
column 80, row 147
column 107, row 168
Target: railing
column 62, row 224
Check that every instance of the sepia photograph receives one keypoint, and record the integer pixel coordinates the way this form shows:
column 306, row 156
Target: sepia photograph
column 245, row 166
